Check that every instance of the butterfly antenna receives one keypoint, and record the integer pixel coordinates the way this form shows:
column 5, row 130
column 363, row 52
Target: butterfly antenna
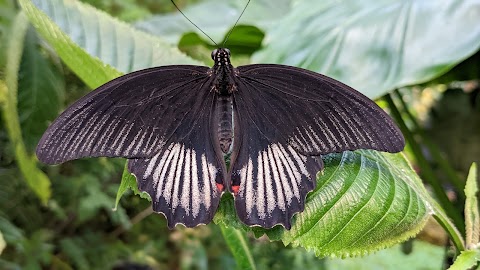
column 195, row 24
column 228, row 35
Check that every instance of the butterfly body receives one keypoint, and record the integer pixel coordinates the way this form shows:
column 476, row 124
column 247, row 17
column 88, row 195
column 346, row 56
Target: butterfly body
column 175, row 124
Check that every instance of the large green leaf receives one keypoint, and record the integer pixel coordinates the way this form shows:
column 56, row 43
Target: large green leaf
column 375, row 46
column 87, row 40
column 114, row 42
column 364, row 201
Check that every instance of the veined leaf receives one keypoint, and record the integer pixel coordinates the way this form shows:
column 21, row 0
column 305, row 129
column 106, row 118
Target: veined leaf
column 364, row 201
column 375, row 46
column 97, row 47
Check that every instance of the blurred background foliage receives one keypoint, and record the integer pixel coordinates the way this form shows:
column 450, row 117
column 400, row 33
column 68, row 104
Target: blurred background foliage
column 77, row 228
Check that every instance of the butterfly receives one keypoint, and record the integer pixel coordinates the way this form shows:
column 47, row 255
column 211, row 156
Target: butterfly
column 175, row 125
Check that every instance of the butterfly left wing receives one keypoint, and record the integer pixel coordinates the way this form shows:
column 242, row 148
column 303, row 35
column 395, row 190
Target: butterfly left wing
column 185, row 179
column 288, row 117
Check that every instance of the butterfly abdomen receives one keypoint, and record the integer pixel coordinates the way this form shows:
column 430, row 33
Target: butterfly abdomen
column 225, row 123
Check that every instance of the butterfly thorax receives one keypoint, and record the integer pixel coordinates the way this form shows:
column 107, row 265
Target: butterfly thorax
column 223, row 86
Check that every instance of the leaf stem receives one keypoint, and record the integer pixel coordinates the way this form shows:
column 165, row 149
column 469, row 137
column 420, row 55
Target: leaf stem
column 427, row 172
column 442, row 218
column 235, row 240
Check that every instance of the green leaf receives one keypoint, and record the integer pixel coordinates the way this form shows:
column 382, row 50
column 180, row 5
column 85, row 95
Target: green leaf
column 472, row 212
column 238, row 246
column 36, row 180
column 364, row 201
column 129, row 182
column 260, row 13
column 40, row 91
column 466, row 260
column 375, row 46
column 115, row 43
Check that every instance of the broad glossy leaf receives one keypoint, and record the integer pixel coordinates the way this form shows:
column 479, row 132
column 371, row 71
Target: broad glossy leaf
column 375, row 46
column 87, row 39
column 114, row 42
column 364, row 201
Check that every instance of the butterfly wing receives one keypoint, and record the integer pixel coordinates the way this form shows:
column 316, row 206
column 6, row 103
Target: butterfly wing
column 293, row 116
column 132, row 116
column 185, row 179
column 159, row 118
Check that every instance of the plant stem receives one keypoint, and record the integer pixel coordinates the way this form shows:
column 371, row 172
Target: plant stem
column 441, row 217
column 434, row 151
column 235, row 240
column 36, row 180
column 427, row 172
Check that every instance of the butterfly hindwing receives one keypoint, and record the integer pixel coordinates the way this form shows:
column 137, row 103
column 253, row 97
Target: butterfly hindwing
column 271, row 180
column 132, row 116
column 186, row 178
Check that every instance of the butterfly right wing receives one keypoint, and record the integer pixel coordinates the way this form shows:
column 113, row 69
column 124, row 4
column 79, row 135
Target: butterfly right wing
column 132, row 116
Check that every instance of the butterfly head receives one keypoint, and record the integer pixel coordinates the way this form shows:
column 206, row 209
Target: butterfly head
column 221, row 56
column 223, row 71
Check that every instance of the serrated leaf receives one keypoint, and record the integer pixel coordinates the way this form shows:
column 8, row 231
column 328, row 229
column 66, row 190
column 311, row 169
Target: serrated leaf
column 40, row 91
column 375, row 46
column 364, row 201
column 129, row 182
column 466, row 260
column 472, row 212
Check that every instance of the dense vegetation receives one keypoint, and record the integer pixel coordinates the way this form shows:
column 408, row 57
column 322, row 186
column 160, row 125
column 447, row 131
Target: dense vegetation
column 418, row 59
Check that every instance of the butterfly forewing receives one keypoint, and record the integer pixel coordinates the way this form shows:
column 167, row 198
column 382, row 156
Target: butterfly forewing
column 132, row 116
column 316, row 114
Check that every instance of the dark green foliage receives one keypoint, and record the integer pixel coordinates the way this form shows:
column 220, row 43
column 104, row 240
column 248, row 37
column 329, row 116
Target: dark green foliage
column 77, row 229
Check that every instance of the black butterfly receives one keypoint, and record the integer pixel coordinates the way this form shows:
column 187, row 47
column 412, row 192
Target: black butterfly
column 175, row 124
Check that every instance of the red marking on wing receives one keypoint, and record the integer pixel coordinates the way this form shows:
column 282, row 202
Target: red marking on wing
column 235, row 189
column 219, row 187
